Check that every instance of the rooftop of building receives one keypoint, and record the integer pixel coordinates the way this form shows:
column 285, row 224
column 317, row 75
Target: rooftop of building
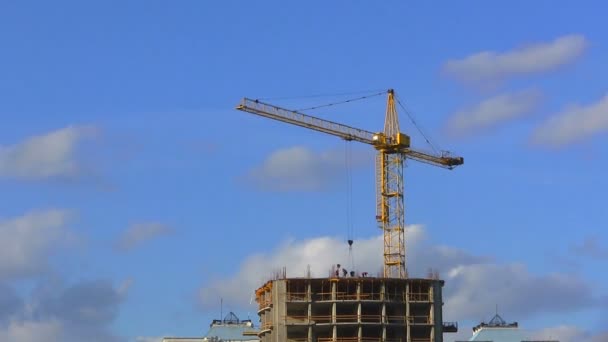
column 498, row 330
column 355, row 278
column 229, row 329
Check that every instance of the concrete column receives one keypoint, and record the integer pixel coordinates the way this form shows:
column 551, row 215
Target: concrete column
column 407, row 311
column 279, row 331
column 437, row 312
column 383, row 312
column 333, row 290
column 309, row 314
column 334, row 287
column 310, row 333
column 308, row 291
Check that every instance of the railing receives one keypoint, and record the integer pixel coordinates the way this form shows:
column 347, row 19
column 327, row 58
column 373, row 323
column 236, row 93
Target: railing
column 346, row 318
column 346, row 296
column 263, row 304
column 307, row 320
column 394, row 296
column 419, row 297
column 296, row 296
column 370, row 296
column 419, row 319
column 371, row 318
column 396, row 319
column 341, row 319
column 266, row 326
column 322, row 296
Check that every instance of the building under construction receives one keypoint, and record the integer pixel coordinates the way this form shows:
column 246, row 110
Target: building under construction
column 351, row 309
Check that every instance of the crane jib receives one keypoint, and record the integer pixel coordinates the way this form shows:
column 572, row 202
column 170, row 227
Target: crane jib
column 307, row 121
column 343, row 131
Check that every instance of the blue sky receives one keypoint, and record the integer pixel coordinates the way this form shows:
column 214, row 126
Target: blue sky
column 133, row 190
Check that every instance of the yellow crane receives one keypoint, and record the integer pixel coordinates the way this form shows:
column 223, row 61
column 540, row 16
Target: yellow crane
column 393, row 148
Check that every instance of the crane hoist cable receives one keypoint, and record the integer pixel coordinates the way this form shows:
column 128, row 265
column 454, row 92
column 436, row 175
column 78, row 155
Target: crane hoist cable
column 349, row 201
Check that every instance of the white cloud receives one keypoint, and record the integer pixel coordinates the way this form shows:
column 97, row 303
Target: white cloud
column 51, row 312
column 320, row 254
column 575, row 123
column 49, row 156
column 139, row 233
column 148, row 339
column 46, row 309
column 27, row 241
column 492, row 66
column 601, row 337
column 493, row 111
column 32, row 331
column 568, row 333
column 561, row 333
column 591, row 247
column 474, row 284
column 301, row 169
column 472, row 290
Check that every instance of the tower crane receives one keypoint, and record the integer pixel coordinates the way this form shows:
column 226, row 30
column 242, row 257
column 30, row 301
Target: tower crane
column 393, row 147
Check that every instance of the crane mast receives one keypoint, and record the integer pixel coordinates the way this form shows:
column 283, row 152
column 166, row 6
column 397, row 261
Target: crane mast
column 390, row 209
column 393, row 148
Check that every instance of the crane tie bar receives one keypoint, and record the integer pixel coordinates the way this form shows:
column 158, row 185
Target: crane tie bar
column 342, row 102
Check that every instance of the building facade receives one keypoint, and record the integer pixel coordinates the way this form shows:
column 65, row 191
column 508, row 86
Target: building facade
column 351, row 309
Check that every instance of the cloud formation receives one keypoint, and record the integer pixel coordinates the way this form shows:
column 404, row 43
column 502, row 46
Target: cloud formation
column 575, row 123
column 494, row 111
column 32, row 331
column 29, row 240
column 569, row 333
column 48, row 309
column 148, row 339
column 472, row 289
column 139, row 233
column 50, row 156
column 51, row 312
column 300, row 169
column 492, row 67
column 591, row 247
column 473, row 283
column 297, row 256
column 561, row 333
